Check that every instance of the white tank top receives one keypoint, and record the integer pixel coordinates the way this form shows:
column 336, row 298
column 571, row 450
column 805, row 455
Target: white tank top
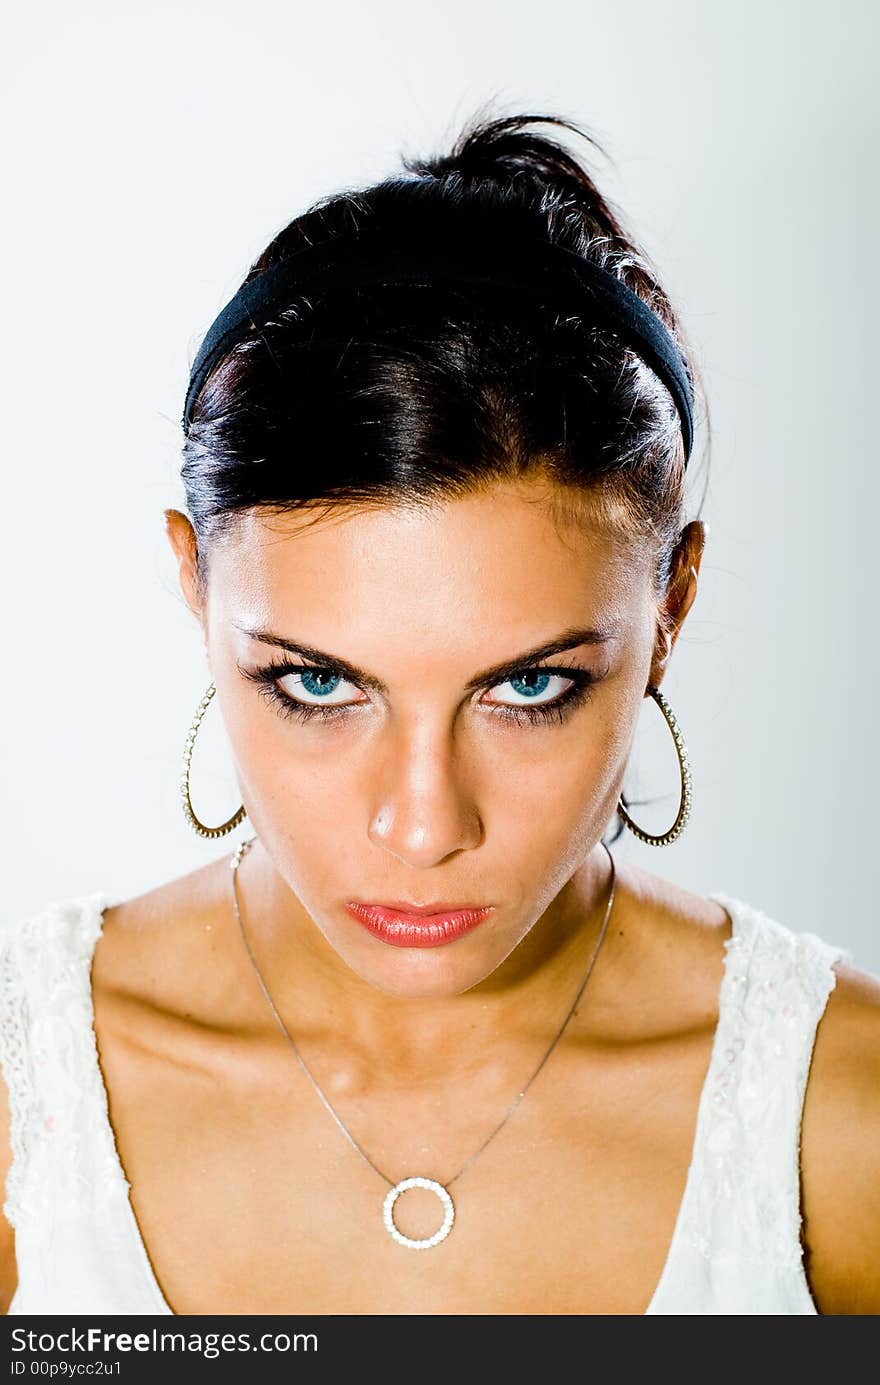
column 736, row 1244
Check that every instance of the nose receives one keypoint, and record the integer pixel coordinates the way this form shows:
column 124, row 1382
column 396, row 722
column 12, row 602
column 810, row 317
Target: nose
column 424, row 808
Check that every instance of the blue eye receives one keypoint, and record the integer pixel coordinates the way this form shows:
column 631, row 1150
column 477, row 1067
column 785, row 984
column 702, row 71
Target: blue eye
column 321, row 684
column 526, row 687
column 531, row 684
column 318, row 691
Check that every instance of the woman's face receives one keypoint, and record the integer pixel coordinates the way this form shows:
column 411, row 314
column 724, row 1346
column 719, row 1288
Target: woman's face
column 423, row 770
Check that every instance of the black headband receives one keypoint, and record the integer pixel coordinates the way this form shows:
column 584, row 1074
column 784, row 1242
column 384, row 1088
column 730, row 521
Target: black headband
column 552, row 270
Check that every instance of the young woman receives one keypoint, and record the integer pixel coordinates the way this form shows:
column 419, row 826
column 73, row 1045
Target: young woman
column 420, row 1044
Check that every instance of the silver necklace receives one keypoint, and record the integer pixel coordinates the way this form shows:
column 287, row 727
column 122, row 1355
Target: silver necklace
column 432, row 1184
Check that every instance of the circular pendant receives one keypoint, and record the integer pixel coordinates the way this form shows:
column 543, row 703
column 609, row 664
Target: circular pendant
column 448, row 1212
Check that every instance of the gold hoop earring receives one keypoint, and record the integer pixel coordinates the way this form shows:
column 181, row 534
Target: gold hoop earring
column 684, row 807
column 188, row 811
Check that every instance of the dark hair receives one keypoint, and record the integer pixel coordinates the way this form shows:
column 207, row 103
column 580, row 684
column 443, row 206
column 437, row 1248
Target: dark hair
column 395, row 394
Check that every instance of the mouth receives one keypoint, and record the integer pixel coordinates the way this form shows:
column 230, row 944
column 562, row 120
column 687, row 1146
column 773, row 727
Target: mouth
column 409, row 925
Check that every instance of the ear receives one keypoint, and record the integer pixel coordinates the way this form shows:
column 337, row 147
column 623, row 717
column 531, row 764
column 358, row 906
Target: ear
column 680, row 594
column 182, row 538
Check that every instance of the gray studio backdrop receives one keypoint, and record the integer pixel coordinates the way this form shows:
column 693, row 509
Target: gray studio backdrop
column 153, row 149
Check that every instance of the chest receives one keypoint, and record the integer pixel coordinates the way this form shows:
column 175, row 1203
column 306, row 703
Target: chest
column 250, row 1199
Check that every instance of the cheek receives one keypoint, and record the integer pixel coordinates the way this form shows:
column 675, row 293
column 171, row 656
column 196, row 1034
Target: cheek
column 305, row 808
column 560, row 808
column 553, row 777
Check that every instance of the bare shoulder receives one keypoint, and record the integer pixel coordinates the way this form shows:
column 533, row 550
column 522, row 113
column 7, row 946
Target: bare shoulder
column 840, row 1149
column 675, row 917
column 184, row 898
column 670, row 942
column 147, row 941
column 840, row 1133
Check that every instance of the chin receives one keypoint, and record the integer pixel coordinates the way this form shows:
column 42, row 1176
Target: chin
column 420, row 973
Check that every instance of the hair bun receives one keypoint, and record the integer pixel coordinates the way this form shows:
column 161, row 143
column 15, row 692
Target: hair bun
column 506, row 150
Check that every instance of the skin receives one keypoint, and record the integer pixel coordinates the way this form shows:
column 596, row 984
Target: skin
column 425, row 792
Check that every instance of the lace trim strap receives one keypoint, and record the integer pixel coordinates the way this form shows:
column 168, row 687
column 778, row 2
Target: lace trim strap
column 63, row 1153
column 743, row 1200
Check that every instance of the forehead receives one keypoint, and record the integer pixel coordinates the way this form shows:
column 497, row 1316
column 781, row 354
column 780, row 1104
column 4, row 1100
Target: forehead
column 514, row 555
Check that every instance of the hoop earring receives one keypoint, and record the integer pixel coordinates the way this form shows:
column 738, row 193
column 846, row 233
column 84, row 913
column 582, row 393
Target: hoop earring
column 188, row 810
column 684, row 807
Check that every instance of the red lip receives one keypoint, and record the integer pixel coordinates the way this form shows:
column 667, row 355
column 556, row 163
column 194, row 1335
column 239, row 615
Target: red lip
column 403, row 906
column 407, row 925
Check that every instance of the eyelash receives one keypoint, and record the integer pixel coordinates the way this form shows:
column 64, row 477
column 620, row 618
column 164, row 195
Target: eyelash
column 558, row 710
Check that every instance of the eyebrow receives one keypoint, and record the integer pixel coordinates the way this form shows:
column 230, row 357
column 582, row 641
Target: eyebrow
column 571, row 638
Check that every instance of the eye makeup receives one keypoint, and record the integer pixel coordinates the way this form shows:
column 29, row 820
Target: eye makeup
column 266, row 679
